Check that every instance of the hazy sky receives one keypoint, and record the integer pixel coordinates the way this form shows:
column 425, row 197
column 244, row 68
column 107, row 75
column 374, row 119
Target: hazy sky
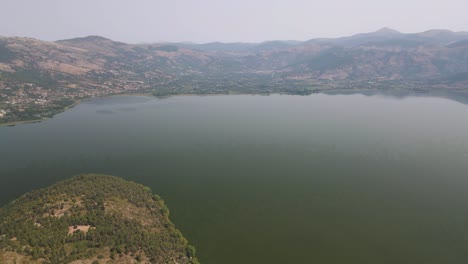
column 228, row 21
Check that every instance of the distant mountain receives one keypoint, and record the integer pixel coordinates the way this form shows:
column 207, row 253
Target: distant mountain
column 240, row 46
column 379, row 35
column 217, row 46
column 439, row 36
column 38, row 78
column 275, row 45
column 87, row 39
column 387, row 34
column 91, row 219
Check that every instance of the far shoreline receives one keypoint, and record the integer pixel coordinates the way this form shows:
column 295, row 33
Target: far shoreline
column 79, row 101
column 148, row 94
column 76, row 102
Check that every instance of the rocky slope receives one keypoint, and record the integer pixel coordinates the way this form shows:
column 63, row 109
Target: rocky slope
column 91, row 219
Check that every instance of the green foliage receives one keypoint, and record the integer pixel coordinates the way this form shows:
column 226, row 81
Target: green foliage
column 191, row 251
column 331, row 59
column 5, row 53
column 33, row 76
column 37, row 112
column 39, row 222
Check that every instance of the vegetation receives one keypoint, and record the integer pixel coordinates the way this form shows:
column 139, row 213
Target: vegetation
column 33, row 76
column 167, row 48
column 5, row 53
column 95, row 218
column 233, row 84
column 38, row 112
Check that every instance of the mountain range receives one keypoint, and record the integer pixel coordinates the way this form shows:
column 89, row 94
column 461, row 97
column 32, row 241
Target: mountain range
column 39, row 78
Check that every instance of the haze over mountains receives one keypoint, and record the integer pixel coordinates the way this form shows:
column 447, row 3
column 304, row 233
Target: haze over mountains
column 435, row 36
column 36, row 75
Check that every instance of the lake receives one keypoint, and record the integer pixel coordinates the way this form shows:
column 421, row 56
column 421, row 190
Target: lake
column 272, row 179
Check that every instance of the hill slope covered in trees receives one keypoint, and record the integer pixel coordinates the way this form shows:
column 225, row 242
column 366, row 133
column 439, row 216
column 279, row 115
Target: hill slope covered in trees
column 91, row 219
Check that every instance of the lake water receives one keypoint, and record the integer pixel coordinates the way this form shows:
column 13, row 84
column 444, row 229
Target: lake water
column 272, row 179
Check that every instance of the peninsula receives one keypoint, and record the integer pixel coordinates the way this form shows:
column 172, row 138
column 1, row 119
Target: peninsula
column 91, row 219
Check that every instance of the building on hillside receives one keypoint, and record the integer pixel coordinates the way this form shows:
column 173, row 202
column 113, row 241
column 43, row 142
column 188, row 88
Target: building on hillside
column 2, row 113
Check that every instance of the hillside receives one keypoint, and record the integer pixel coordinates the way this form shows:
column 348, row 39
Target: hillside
column 39, row 79
column 91, row 219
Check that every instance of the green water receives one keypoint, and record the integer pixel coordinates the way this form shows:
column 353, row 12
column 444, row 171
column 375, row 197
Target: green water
column 272, row 179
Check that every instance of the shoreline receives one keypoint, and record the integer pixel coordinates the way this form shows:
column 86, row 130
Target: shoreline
column 148, row 94
column 77, row 102
column 31, row 121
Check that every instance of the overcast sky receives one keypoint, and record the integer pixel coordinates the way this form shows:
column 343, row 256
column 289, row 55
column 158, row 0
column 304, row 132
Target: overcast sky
column 224, row 20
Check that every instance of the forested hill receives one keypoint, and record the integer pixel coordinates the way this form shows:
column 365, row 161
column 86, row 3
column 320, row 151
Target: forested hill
column 91, row 219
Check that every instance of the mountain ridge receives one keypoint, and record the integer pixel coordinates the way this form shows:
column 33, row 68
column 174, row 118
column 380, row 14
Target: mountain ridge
column 382, row 31
column 40, row 78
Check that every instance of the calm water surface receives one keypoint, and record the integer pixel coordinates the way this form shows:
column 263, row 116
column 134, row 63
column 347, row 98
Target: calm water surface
column 272, row 179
